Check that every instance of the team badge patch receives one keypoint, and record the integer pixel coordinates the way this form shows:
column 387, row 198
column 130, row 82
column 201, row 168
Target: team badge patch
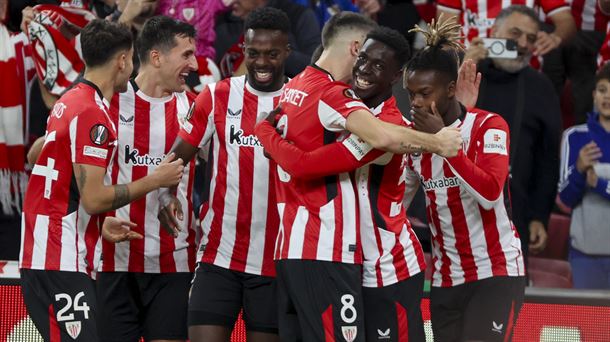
column 349, row 332
column 73, row 329
column 98, row 134
column 350, row 94
column 494, row 141
column 358, row 147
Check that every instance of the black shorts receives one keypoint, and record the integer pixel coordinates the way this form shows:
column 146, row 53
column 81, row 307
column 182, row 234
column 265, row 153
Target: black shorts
column 483, row 310
column 393, row 313
column 219, row 294
column 61, row 304
column 320, row 301
column 152, row 305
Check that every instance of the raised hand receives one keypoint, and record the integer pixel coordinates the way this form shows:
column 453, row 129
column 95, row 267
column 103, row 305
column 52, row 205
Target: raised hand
column 116, row 230
column 468, row 83
column 588, row 155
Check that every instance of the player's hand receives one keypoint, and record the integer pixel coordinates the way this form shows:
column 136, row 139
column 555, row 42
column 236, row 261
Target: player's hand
column 591, row 178
column 449, row 141
column 27, row 15
column 545, row 43
column 116, row 230
column 588, row 155
column 272, row 116
column 538, row 237
column 170, row 211
column 476, row 51
column 468, row 82
column 168, row 172
column 427, row 122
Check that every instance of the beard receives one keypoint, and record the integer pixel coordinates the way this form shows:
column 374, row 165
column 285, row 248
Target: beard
column 513, row 65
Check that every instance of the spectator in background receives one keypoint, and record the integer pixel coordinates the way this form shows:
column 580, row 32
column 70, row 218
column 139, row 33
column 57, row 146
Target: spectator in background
column 478, row 20
column 526, row 99
column 576, row 60
column 604, row 52
column 304, row 35
column 585, row 186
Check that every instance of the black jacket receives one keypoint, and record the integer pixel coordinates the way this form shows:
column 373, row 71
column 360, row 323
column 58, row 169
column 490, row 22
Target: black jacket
column 535, row 164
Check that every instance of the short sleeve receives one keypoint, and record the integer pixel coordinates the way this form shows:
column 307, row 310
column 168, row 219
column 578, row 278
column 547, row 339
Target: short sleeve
column 335, row 106
column 93, row 138
column 197, row 123
column 551, row 7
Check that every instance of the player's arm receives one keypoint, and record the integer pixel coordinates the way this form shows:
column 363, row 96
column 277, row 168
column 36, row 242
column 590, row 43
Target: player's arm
column 96, row 197
column 484, row 177
column 327, row 160
column 399, row 139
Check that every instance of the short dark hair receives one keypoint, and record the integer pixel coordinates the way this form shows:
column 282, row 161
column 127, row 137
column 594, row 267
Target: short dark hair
column 160, row 33
column 603, row 73
column 394, row 40
column 101, row 39
column 345, row 21
column 522, row 9
column 267, row 18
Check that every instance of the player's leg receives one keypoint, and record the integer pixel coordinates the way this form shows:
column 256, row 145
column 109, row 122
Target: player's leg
column 393, row 313
column 327, row 297
column 165, row 298
column 492, row 311
column 214, row 303
column 288, row 323
column 61, row 304
column 447, row 305
column 119, row 307
column 260, row 308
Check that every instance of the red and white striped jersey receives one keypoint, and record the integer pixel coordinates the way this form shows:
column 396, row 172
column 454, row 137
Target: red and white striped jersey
column 478, row 16
column 391, row 250
column 240, row 226
column 147, row 128
column 588, row 16
column 57, row 233
column 472, row 236
column 318, row 217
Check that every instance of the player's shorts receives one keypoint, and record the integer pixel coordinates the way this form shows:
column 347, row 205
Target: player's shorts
column 219, row 294
column 393, row 313
column 320, row 301
column 149, row 305
column 61, row 304
column 482, row 310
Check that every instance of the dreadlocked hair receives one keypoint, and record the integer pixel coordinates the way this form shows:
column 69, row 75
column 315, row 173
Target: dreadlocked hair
column 442, row 49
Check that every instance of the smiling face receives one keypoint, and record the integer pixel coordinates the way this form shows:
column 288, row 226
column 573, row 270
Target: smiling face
column 265, row 52
column 176, row 64
column 427, row 86
column 523, row 30
column 374, row 72
column 601, row 98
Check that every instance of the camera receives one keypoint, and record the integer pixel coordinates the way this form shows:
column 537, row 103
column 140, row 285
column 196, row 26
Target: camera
column 501, row 48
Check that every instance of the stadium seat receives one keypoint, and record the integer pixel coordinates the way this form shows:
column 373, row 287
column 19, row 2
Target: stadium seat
column 549, row 272
column 559, row 236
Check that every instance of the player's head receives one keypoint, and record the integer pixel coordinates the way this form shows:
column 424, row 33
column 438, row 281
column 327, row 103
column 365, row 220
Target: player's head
column 431, row 74
column 601, row 93
column 343, row 36
column 109, row 46
column 168, row 47
column 266, row 48
column 379, row 64
column 521, row 24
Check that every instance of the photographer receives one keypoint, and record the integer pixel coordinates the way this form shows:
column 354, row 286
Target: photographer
column 527, row 101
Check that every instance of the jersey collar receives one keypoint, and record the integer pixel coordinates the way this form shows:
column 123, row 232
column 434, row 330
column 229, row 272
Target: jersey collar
column 97, row 90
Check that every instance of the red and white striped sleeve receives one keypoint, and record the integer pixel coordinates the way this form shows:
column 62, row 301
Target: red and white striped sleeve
column 484, row 167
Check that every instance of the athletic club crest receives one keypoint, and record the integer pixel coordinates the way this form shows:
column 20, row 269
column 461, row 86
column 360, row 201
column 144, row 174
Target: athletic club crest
column 73, row 329
column 349, row 332
column 188, row 13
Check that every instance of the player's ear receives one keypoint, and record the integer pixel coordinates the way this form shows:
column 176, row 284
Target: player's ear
column 154, row 58
column 397, row 76
column 122, row 61
column 354, row 48
column 451, row 89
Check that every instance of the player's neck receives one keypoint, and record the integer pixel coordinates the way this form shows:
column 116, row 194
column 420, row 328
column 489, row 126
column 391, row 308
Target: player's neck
column 453, row 113
column 99, row 77
column 376, row 100
column 335, row 65
column 149, row 83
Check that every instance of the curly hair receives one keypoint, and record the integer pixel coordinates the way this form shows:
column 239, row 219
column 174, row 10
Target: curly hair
column 268, row 18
